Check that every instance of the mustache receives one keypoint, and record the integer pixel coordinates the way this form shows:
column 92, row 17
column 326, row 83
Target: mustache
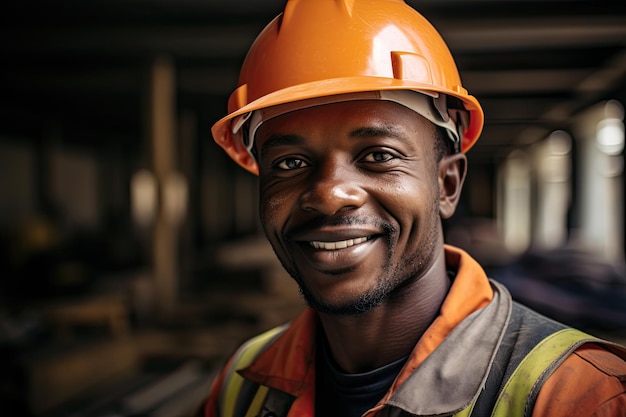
column 325, row 221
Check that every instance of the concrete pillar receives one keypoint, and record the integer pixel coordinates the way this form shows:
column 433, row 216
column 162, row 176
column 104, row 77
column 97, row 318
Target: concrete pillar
column 600, row 134
column 162, row 128
column 514, row 208
column 552, row 159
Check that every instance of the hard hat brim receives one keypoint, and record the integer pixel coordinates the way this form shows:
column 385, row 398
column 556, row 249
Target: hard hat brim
column 222, row 132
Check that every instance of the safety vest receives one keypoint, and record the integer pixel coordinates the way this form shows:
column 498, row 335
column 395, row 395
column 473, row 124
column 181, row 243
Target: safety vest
column 510, row 391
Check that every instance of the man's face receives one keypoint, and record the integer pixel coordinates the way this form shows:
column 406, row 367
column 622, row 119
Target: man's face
column 349, row 200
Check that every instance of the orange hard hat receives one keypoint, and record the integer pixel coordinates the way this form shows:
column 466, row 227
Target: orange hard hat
column 319, row 48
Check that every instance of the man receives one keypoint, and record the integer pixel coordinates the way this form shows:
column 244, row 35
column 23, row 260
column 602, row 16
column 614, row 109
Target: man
column 353, row 115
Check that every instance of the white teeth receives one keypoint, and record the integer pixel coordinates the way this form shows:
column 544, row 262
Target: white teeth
column 338, row 245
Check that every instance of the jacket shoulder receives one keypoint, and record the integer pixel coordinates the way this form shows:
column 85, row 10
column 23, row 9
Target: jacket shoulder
column 590, row 382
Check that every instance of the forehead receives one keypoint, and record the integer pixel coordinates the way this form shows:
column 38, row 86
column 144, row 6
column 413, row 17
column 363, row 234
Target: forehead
column 346, row 116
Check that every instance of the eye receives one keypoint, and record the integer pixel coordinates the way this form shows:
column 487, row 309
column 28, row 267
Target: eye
column 291, row 163
column 378, row 156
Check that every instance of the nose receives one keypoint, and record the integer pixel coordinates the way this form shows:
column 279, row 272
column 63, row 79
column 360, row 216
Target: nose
column 333, row 188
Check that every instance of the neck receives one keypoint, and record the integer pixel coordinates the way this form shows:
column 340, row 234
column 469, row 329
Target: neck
column 390, row 331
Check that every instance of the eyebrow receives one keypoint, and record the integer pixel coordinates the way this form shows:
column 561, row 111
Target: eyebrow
column 281, row 140
column 378, row 131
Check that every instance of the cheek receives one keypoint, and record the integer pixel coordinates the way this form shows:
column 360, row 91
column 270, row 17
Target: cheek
column 414, row 205
column 273, row 208
column 411, row 196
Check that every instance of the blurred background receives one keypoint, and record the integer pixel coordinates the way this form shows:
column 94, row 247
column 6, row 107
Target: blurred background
column 132, row 262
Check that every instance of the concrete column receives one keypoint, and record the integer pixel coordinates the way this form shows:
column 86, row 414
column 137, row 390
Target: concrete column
column 552, row 159
column 600, row 134
column 514, row 209
column 162, row 128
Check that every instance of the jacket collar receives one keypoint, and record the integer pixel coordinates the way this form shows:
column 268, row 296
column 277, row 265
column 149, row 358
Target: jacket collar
column 288, row 364
column 453, row 375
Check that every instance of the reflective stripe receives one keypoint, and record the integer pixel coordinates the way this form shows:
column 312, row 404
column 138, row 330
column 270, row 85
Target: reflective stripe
column 512, row 400
column 467, row 411
column 234, row 381
column 257, row 401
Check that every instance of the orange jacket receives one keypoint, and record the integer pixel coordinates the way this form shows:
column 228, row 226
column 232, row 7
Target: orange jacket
column 600, row 376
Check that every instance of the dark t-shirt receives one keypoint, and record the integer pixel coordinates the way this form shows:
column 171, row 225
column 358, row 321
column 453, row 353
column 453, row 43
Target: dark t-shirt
column 350, row 395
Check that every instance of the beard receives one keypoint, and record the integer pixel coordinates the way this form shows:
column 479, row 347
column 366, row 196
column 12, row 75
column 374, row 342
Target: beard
column 365, row 302
column 391, row 282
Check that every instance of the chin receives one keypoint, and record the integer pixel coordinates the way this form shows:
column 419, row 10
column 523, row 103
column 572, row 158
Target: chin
column 363, row 304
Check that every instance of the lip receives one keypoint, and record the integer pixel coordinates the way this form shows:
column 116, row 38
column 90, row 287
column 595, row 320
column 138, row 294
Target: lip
column 334, row 249
column 342, row 244
column 333, row 234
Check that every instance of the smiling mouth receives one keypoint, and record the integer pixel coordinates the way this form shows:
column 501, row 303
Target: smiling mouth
column 341, row 244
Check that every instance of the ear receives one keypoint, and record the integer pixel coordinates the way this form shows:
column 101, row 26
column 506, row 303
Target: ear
column 452, row 170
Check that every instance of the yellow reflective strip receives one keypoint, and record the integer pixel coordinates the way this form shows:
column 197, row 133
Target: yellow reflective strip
column 248, row 353
column 512, row 400
column 257, row 401
column 233, row 385
column 466, row 412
